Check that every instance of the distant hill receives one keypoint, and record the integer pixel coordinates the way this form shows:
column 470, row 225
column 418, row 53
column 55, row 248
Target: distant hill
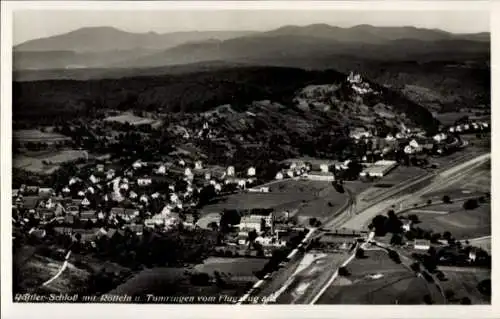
column 102, row 39
column 112, row 48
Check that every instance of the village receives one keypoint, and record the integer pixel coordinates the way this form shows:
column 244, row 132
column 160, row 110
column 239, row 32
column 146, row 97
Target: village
column 129, row 180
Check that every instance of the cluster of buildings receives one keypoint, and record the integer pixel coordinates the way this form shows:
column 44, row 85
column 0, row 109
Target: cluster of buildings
column 159, row 196
column 357, row 84
column 473, row 126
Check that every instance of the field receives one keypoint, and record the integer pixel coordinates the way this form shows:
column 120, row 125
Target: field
column 464, row 284
column 305, row 198
column 395, row 283
column 33, row 272
column 129, row 118
column 236, row 273
column 462, row 224
column 37, row 136
column 398, row 175
column 236, row 269
column 449, row 118
column 35, row 162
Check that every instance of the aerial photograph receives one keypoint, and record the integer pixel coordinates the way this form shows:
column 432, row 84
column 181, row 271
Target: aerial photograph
column 251, row 157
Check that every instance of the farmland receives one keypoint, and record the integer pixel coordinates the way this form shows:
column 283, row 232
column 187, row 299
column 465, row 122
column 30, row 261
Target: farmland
column 464, row 284
column 305, row 198
column 236, row 275
column 129, row 118
column 37, row 136
column 393, row 284
column 461, row 223
column 46, row 162
column 398, row 175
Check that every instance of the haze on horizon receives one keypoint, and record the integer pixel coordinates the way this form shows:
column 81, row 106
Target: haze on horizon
column 33, row 24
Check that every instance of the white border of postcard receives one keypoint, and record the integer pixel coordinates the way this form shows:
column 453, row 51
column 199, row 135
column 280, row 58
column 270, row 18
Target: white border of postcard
column 11, row 310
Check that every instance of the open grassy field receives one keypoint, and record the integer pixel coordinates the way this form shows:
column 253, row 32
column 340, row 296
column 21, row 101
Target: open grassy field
column 477, row 182
column 237, row 276
column 37, row 136
column 461, row 223
column 395, row 283
column 398, row 175
column 449, row 118
column 464, row 284
column 129, row 118
column 34, row 272
column 235, row 269
column 306, row 198
column 34, row 162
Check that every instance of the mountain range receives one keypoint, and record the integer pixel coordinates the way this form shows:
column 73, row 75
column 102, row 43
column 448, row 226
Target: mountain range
column 107, row 47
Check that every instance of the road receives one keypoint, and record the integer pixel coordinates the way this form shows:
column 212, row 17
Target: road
column 63, row 267
column 439, row 180
column 350, row 218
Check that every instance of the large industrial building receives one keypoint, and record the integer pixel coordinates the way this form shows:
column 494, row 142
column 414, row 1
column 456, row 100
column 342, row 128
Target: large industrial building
column 379, row 168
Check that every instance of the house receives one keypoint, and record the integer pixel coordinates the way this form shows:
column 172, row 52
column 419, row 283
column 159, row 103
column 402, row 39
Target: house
column 360, row 133
column 230, row 171
column 161, row 170
column 124, row 213
column 251, row 171
column 135, row 228
column 87, row 215
column 440, row 137
column 93, row 179
column 259, row 190
column 38, row 233
column 279, row 176
column 407, row 226
column 198, row 165
column 138, row 164
column 320, row 176
column 472, row 255
column 324, row 168
column 85, row 202
column 422, row 244
column 249, row 223
column 242, row 238
column 144, row 181
column 45, row 192
column 100, row 167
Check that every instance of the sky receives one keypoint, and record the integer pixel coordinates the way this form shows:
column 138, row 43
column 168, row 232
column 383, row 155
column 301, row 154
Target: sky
column 34, row 24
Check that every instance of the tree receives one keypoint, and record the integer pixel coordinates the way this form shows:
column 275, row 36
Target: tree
column 219, row 282
column 446, row 199
column 471, row 204
column 429, row 201
column 312, row 221
column 213, row 226
column 446, row 235
column 360, row 253
column 379, row 224
column 396, row 240
column 449, row 294
column 415, row 267
column 394, row 256
column 262, row 224
column 484, row 287
column 252, row 235
column 344, row 272
column 200, row 279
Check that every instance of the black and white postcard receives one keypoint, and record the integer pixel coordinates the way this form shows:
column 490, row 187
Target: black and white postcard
column 247, row 159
